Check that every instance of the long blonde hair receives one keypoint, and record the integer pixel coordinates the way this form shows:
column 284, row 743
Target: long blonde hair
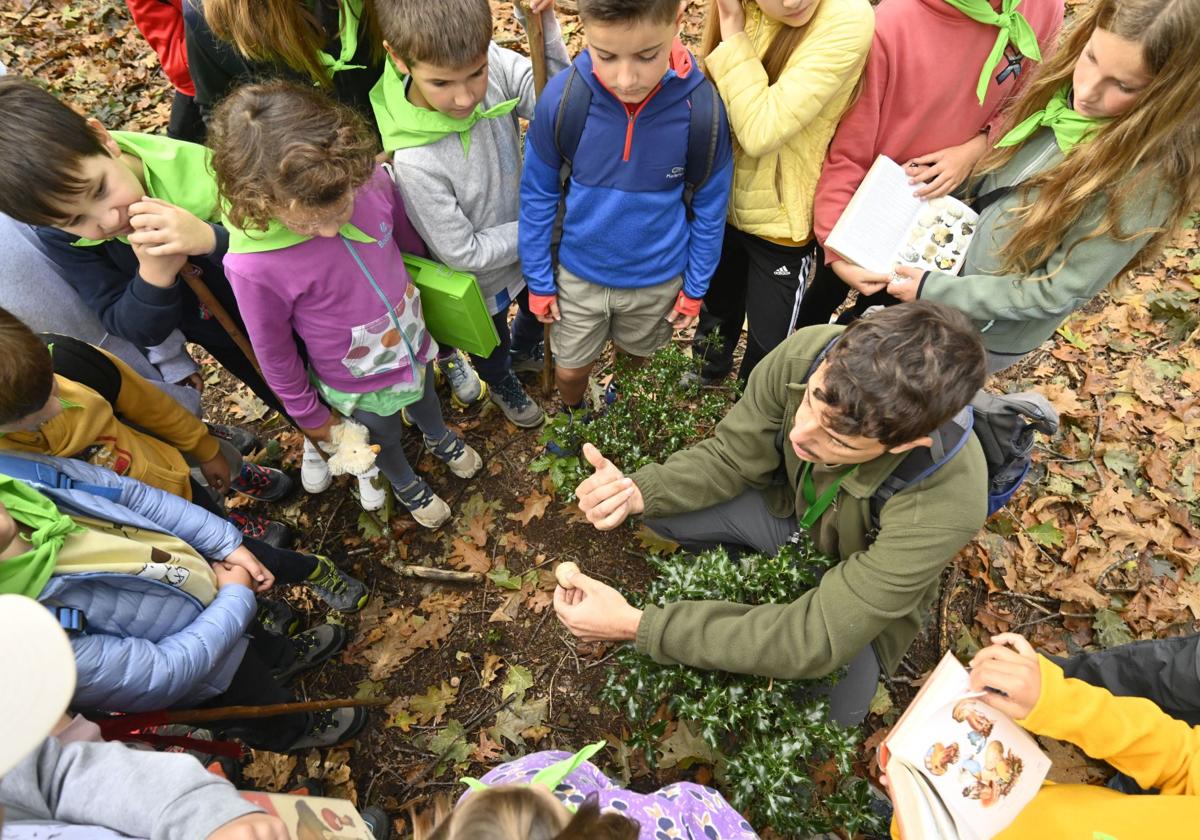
column 517, row 812
column 786, row 41
column 1154, row 146
column 283, row 31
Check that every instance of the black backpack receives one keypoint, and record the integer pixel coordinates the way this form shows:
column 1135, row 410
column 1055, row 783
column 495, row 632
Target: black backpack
column 81, row 362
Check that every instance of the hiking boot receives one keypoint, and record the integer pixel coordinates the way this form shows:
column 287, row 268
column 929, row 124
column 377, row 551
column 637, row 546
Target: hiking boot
column 314, row 470
column 515, row 403
column 243, row 441
column 531, row 362
column 277, row 618
column 260, row 528
column 454, row 452
column 330, row 727
column 371, row 495
column 466, row 388
column 262, row 483
column 311, row 648
column 425, row 506
column 336, row 588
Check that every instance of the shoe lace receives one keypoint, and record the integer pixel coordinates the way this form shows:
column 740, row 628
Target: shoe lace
column 331, row 578
column 511, row 392
column 304, row 643
column 254, row 475
column 322, row 720
column 415, row 495
column 251, row 525
column 449, row 448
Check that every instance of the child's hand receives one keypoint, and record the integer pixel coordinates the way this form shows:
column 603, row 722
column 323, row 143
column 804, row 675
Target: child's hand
column 731, row 16
column 545, row 308
column 942, row 171
column 216, row 472
column 1008, row 664
column 904, row 282
column 158, row 271
column 252, row 827
column 595, row 612
column 685, row 312
column 166, row 229
column 857, row 277
column 243, row 558
column 323, row 431
column 228, row 575
column 607, row 497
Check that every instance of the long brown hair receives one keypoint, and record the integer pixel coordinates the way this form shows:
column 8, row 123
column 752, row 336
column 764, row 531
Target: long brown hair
column 1151, row 148
column 279, row 142
column 775, row 59
column 283, row 31
column 517, row 812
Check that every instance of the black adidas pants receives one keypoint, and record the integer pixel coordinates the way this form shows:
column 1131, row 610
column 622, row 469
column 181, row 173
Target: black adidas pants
column 759, row 282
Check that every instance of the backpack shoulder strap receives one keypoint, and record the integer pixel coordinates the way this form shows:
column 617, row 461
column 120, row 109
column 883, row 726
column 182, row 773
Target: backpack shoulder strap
column 36, row 472
column 570, row 117
column 703, row 132
column 81, row 362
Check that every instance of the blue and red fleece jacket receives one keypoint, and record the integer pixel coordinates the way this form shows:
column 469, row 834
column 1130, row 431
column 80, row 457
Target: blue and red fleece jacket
column 625, row 224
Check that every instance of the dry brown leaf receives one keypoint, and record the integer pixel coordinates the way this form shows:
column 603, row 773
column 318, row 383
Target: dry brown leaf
column 270, row 771
column 507, row 611
column 535, row 507
column 466, row 555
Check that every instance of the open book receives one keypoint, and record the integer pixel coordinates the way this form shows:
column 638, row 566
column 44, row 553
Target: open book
column 957, row 767
column 885, row 224
column 313, row 817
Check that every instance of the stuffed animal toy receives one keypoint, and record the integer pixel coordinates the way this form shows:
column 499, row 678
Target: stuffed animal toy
column 351, row 452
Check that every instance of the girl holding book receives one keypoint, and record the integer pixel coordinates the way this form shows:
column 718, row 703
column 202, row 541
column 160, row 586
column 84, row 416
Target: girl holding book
column 786, row 69
column 316, row 233
column 916, row 107
column 1099, row 164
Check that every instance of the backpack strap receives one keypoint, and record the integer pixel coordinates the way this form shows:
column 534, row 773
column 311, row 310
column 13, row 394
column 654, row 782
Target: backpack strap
column 703, row 131
column 36, row 472
column 569, row 120
column 81, row 362
column 70, row 619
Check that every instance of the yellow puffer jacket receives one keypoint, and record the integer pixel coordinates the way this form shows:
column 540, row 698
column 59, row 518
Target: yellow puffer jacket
column 782, row 131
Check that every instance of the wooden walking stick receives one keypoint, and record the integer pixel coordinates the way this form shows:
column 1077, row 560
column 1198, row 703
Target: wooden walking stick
column 193, row 276
column 128, row 723
column 537, row 56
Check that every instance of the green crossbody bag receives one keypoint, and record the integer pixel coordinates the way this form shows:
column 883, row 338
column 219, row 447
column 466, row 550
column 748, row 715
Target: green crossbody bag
column 453, row 306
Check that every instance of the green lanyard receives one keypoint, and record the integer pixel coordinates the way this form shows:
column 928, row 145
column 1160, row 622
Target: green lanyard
column 817, row 505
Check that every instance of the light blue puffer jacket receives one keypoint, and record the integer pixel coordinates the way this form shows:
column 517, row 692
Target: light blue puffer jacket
column 147, row 645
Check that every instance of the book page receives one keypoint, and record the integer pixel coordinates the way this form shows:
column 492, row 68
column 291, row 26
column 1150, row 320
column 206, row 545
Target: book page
column 313, row 816
column 885, row 224
column 983, row 766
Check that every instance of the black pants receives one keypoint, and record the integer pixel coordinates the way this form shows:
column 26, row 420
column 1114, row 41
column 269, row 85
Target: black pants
column 828, row 292
column 254, row 685
column 756, row 281
column 524, row 335
column 287, row 566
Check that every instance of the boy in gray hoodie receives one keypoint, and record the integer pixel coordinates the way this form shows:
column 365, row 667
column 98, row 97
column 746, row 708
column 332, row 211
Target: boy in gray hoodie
column 447, row 108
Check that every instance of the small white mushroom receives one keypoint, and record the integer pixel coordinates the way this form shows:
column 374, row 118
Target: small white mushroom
column 564, row 572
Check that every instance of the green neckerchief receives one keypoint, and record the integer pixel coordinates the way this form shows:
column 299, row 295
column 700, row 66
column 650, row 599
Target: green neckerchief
column 349, row 14
column 277, row 237
column 817, row 505
column 174, row 170
column 1069, row 126
column 550, row 777
column 402, row 125
column 1013, row 27
column 26, row 574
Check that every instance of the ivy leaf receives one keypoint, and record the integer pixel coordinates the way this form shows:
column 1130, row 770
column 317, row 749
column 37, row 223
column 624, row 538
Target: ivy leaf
column 1047, row 534
column 451, row 745
column 1111, row 629
column 518, row 681
column 505, row 579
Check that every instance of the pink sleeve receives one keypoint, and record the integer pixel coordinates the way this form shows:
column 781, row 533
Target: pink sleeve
column 853, row 148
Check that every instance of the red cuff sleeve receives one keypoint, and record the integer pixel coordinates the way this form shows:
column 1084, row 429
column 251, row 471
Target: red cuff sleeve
column 540, row 304
column 684, row 305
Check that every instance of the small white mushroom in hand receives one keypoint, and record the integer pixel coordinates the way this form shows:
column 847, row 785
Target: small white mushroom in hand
column 564, row 572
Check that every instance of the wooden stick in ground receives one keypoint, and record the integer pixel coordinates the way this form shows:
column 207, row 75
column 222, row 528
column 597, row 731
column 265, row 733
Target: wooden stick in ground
column 194, row 278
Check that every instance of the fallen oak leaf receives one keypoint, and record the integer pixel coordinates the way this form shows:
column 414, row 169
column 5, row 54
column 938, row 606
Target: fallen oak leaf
column 467, row 555
column 535, row 507
column 487, row 750
column 507, row 611
column 431, row 706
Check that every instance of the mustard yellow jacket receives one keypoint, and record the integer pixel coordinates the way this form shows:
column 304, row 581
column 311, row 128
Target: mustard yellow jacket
column 782, row 131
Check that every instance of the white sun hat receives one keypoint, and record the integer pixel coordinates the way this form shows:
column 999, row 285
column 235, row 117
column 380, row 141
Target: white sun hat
column 39, row 676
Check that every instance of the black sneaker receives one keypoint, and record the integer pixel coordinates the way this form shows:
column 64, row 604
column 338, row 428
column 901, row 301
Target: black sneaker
column 264, row 483
column 277, row 618
column 330, row 727
column 336, row 588
column 529, row 362
column 243, row 441
column 378, row 821
column 312, row 647
column 260, row 528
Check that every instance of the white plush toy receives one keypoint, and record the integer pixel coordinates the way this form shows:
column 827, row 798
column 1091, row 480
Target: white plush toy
column 350, row 448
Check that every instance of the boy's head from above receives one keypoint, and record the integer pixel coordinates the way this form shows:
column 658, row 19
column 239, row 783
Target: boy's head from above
column 288, row 152
column 888, row 383
column 61, row 170
column 443, row 46
column 28, row 392
column 630, row 43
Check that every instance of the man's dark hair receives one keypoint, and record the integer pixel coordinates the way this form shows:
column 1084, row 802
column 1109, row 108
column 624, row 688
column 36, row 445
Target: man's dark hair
column 445, row 33
column 628, row 11
column 42, row 147
column 900, row 373
column 26, row 370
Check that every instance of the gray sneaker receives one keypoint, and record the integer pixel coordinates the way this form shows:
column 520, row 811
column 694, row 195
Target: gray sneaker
column 336, row 588
column 330, row 727
column 466, row 388
column 531, row 362
column 515, row 403
column 312, row 647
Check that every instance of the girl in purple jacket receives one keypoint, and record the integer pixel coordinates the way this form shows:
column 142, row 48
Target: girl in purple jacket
column 316, row 231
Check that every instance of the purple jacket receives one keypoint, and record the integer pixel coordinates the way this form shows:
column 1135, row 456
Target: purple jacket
column 682, row 811
column 319, row 289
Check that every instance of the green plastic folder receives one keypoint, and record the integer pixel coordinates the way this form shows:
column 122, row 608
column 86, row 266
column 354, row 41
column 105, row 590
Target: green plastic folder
column 455, row 313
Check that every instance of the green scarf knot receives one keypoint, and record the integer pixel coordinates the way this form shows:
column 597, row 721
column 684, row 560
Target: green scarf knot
column 1013, row 27
column 348, row 18
column 26, row 574
column 403, row 125
column 1069, row 126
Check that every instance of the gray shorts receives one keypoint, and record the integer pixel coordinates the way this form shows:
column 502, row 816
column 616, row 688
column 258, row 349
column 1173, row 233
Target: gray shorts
column 635, row 319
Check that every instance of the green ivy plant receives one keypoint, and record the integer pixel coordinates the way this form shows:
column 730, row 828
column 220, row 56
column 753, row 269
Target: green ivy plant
column 656, row 412
column 772, row 739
